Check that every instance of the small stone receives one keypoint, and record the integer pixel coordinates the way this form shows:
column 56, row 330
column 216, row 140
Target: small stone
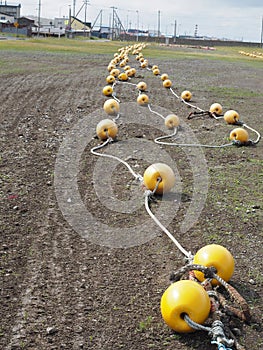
column 251, row 281
column 51, row 330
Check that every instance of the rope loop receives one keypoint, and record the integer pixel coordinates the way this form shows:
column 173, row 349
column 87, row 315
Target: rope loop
column 217, row 333
column 220, row 345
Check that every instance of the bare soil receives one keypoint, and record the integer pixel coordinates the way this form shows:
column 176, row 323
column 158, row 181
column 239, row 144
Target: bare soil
column 61, row 291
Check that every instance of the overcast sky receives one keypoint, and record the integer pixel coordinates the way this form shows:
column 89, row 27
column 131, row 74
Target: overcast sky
column 232, row 19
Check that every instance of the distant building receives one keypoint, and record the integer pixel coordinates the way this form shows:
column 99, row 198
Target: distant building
column 61, row 23
column 78, row 27
column 10, row 10
column 103, row 32
column 4, row 18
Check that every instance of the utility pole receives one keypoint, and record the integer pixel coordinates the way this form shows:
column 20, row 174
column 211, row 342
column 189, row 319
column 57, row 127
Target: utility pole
column 261, row 38
column 39, row 12
column 175, row 25
column 137, row 36
column 159, row 23
column 69, row 18
column 100, row 19
column 85, row 20
column 74, row 8
column 113, row 21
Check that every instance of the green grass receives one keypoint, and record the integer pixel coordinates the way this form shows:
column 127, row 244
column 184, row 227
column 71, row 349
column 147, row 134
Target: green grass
column 86, row 46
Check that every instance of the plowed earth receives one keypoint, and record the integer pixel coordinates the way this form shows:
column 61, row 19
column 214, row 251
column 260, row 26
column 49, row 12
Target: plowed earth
column 60, row 290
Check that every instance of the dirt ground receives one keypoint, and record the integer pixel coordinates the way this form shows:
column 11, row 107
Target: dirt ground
column 60, row 290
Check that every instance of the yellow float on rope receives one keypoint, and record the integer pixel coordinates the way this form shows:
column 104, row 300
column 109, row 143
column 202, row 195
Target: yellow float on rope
column 143, row 99
column 231, row 116
column 217, row 256
column 167, row 83
column 142, row 86
column 216, row 108
column 184, row 297
column 111, row 107
column 186, row 95
column 110, row 79
column 107, row 90
column 239, row 134
column 171, row 121
column 159, row 172
column 106, row 128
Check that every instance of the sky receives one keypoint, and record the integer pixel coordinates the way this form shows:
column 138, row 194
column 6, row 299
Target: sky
column 231, row 19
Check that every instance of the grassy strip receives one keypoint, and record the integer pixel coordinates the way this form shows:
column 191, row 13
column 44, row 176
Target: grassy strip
column 92, row 47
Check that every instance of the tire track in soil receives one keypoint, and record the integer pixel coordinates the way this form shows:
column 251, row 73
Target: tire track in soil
column 32, row 282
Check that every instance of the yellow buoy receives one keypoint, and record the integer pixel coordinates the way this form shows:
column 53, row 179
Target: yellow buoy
column 184, row 298
column 110, row 79
column 217, row 256
column 231, row 116
column 171, row 121
column 239, row 134
column 186, row 95
column 106, row 128
column 156, row 71
column 216, row 108
column 107, row 90
column 167, row 83
column 164, row 76
column 123, row 76
column 143, row 99
column 156, row 172
column 111, row 107
column 142, row 86
column 115, row 72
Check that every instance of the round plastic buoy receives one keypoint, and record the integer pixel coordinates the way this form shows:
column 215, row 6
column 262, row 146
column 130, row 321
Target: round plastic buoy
column 184, row 297
column 123, row 76
column 231, row 116
column 186, row 95
column 110, row 79
column 156, row 71
column 171, row 121
column 111, row 107
column 115, row 72
column 216, row 108
column 143, row 99
column 106, row 128
column 107, row 90
column 142, row 86
column 164, row 76
column 167, row 83
column 217, row 256
column 159, row 171
column 239, row 134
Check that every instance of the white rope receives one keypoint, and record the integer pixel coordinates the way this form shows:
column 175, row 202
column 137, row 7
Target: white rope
column 117, row 117
column 126, row 82
column 94, row 149
column 175, row 94
column 166, row 136
column 115, row 98
column 187, row 103
column 159, row 142
column 216, row 116
column 151, row 110
column 255, row 131
column 163, row 228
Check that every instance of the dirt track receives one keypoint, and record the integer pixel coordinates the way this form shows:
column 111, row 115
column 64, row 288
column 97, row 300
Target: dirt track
column 59, row 290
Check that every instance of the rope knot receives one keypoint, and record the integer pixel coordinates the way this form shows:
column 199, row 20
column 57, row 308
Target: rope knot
column 218, row 335
column 210, row 272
